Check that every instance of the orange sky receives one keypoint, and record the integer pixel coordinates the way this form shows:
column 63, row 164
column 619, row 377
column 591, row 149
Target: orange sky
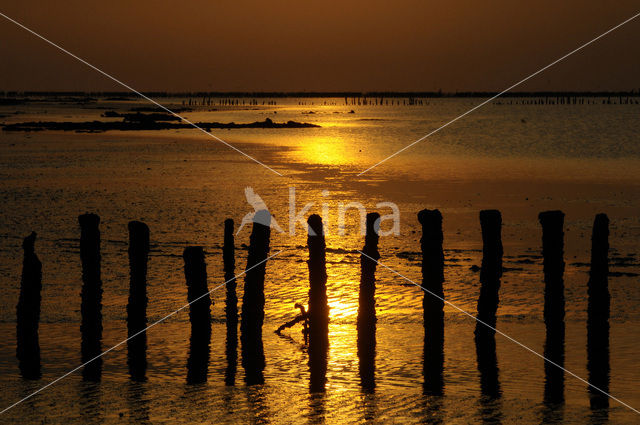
column 319, row 45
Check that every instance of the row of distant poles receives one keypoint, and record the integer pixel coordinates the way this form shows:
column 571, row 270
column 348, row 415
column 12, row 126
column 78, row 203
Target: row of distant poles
column 210, row 101
column 317, row 317
column 415, row 101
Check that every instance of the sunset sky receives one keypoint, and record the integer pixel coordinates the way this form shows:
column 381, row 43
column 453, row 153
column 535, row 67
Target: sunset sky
column 319, row 45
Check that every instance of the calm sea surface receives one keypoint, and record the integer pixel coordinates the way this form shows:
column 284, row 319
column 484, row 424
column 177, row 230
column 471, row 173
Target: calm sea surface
column 519, row 158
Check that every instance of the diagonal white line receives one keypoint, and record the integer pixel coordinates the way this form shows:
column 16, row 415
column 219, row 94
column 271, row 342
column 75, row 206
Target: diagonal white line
column 135, row 335
column 137, row 92
column 503, row 91
column 501, row 333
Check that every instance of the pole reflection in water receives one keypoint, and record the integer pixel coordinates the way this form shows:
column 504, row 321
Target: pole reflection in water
column 317, row 408
column 28, row 312
column 138, row 401
column 369, row 406
column 432, row 281
column 252, row 316
column 318, row 307
column 90, row 402
column 137, row 306
column 490, row 274
column 366, row 307
column 231, row 303
column 199, row 314
column 91, row 305
column 432, row 410
column 552, row 223
column 598, row 311
column 256, row 398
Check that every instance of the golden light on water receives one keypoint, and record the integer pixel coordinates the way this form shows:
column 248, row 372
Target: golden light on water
column 342, row 308
column 324, row 151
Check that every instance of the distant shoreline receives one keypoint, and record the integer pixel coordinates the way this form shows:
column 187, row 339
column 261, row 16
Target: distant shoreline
column 147, row 122
column 119, row 95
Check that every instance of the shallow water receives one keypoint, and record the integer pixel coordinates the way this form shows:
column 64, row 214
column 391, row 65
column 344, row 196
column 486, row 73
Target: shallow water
column 520, row 159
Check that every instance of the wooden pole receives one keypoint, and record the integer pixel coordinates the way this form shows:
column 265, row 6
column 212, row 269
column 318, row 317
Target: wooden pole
column 91, row 306
column 318, row 305
column 432, row 303
column 490, row 274
column 366, row 304
column 552, row 223
column 28, row 312
column 598, row 311
column 231, row 302
column 252, row 314
column 137, row 306
column 195, row 271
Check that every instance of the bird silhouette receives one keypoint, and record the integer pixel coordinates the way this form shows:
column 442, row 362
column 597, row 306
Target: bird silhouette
column 258, row 204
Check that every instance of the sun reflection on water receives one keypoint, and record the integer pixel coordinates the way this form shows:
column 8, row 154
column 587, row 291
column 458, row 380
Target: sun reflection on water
column 323, row 150
column 341, row 308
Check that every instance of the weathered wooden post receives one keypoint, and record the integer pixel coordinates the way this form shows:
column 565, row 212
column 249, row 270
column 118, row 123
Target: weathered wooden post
column 598, row 314
column 252, row 314
column 490, row 274
column 318, row 305
column 432, row 302
column 231, row 302
column 28, row 312
column 195, row 271
column 552, row 223
column 91, row 306
column 137, row 306
column 491, row 271
column 366, row 304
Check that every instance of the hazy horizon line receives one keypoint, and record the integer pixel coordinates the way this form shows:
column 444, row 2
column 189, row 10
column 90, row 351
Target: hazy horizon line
column 322, row 94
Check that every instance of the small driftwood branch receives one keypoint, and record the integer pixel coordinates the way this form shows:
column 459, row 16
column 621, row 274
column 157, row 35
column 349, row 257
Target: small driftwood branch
column 302, row 317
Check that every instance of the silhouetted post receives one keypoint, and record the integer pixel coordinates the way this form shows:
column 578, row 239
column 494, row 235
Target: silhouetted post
column 432, row 303
column 318, row 305
column 490, row 274
column 552, row 223
column 366, row 304
column 137, row 306
column 491, row 271
column 28, row 312
column 231, row 302
column 252, row 315
column 598, row 314
column 195, row 272
column 91, row 306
